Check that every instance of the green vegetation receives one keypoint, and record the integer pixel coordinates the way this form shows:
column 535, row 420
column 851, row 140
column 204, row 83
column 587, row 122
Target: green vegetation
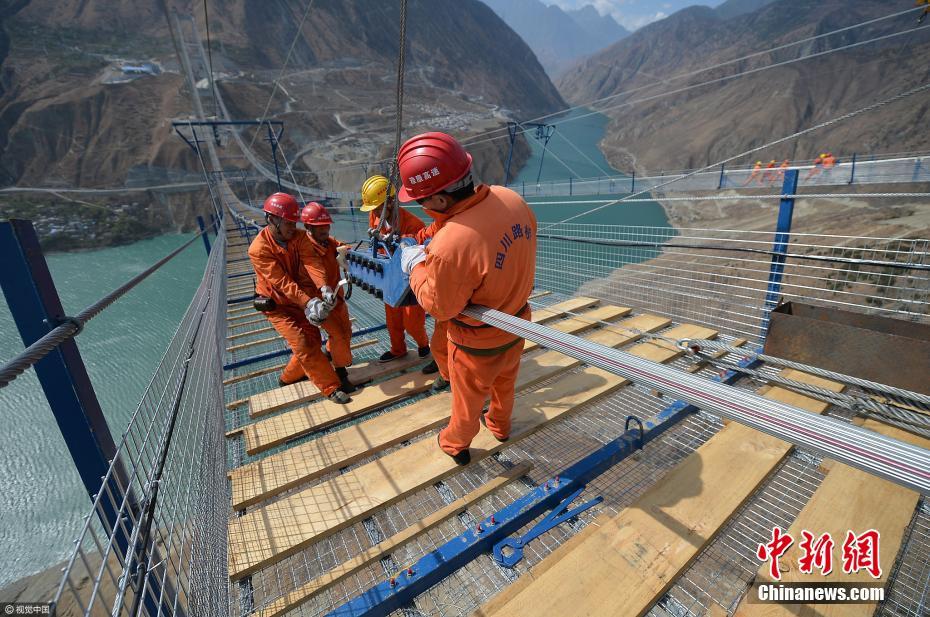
column 68, row 226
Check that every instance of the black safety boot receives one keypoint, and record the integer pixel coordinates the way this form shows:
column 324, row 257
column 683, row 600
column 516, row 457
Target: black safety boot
column 387, row 356
column 431, row 368
column 345, row 385
column 484, row 422
column 461, row 459
column 282, row 383
column 439, row 385
column 340, row 397
column 423, row 351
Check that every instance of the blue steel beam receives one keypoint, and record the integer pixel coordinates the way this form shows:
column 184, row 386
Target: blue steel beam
column 780, row 247
column 398, row 592
column 36, row 307
column 203, row 234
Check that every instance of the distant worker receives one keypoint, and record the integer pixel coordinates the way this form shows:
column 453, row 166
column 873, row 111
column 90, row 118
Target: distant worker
column 756, row 170
column 322, row 261
column 770, row 174
column 289, row 297
column 484, row 253
column 381, row 209
column 829, row 162
column 817, row 168
column 785, row 165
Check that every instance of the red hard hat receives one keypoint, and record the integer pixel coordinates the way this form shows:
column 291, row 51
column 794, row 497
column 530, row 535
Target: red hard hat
column 283, row 205
column 315, row 214
column 430, row 163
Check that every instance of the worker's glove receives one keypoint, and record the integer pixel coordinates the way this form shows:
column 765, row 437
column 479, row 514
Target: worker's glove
column 317, row 311
column 410, row 257
column 329, row 296
column 341, row 252
column 372, row 232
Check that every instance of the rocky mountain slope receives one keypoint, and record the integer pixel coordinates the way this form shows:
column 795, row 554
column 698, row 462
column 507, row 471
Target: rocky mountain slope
column 71, row 115
column 714, row 121
column 558, row 37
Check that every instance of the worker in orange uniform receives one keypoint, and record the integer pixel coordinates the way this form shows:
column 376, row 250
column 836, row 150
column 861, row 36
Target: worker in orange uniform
column 322, row 259
column 484, row 254
column 770, row 173
column 817, row 168
column 756, row 170
column 288, row 297
column 829, row 162
column 382, row 210
column 439, row 341
column 785, row 165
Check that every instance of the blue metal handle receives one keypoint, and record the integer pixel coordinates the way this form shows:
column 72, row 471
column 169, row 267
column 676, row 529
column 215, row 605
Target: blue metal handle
column 559, row 515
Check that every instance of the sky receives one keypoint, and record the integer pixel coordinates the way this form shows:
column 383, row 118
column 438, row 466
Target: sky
column 634, row 14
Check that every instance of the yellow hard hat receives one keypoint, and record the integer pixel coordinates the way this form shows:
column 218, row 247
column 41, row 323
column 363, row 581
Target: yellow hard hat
column 374, row 192
column 823, row 156
column 758, row 162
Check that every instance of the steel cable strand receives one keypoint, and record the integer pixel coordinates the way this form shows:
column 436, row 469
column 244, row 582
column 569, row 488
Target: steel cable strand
column 817, row 127
column 702, row 345
column 871, row 452
column 851, row 402
column 72, row 326
column 474, row 140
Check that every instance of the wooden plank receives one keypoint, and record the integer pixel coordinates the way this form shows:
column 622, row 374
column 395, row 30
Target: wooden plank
column 269, row 534
column 252, row 375
column 289, row 425
column 234, row 337
column 240, row 309
column 237, row 320
column 583, row 322
column 242, row 324
column 279, row 367
column 572, row 305
column 361, row 561
column 282, row 471
column 274, row 400
column 632, row 559
column 263, row 341
column 847, row 499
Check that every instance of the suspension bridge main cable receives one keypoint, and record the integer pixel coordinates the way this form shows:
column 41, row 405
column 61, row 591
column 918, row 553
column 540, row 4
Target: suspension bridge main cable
column 706, row 69
column 399, row 99
column 477, row 139
column 817, row 127
column 206, row 19
column 72, row 326
column 723, row 79
column 287, row 59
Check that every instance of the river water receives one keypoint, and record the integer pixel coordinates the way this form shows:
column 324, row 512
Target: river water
column 44, row 500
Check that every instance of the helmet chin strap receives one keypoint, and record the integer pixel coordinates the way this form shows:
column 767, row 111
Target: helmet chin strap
column 270, row 219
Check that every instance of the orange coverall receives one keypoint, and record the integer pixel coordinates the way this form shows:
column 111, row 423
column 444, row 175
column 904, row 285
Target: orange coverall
column 439, row 342
column 401, row 318
column 281, row 276
column 323, row 269
column 756, row 170
column 484, row 253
